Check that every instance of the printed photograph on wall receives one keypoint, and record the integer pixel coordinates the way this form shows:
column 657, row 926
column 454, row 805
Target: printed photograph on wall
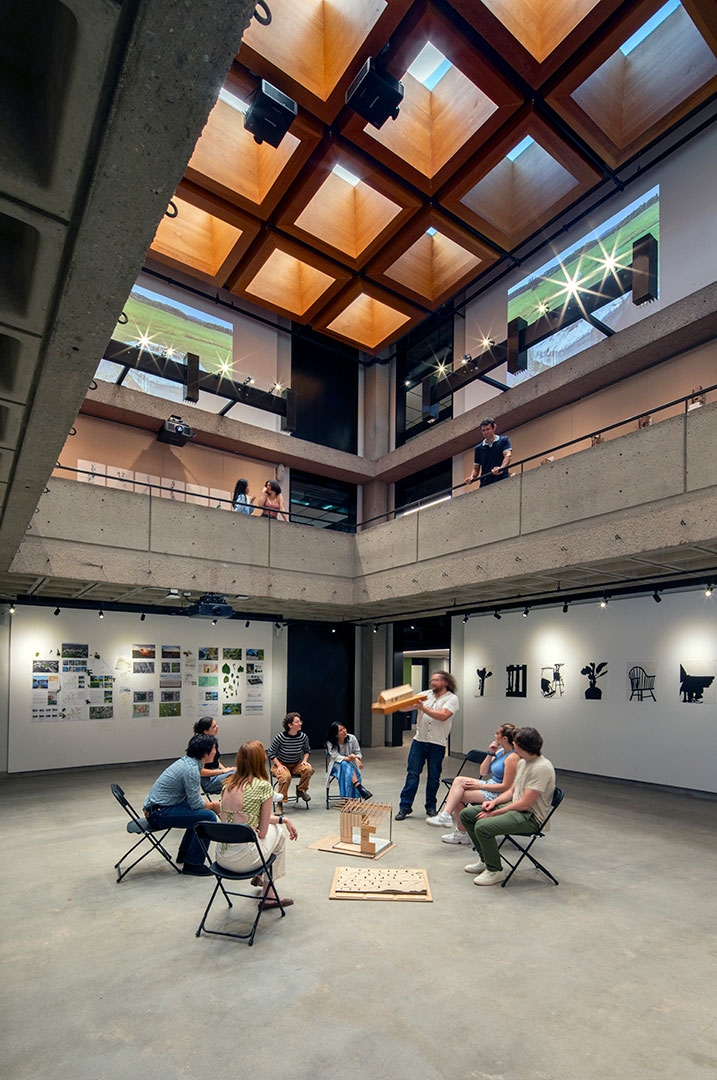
column 45, row 665
column 143, row 652
column 697, row 682
column 140, row 710
column 255, row 654
column 143, row 667
column 592, row 672
column 170, row 708
column 231, row 678
column 209, row 652
column 72, row 651
column 552, row 684
column 641, row 680
column 485, row 682
column 101, row 712
column 517, row 684
column 171, row 652
column 231, row 708
column 143, row 696
column 231, row 654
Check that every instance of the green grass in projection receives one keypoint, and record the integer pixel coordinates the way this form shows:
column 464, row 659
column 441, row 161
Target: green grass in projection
column 166, row 327
column 586, row 264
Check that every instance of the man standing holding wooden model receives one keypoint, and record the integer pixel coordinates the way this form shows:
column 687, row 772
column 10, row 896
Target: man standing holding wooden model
column 435, row 716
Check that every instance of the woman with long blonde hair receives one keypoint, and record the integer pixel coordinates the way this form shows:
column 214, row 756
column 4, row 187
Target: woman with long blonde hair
column 247, row 799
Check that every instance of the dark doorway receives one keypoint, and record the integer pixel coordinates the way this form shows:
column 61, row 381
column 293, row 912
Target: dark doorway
column 320, row 677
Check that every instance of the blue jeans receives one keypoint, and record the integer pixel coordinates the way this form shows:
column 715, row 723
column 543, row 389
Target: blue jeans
column 345, row 771
column 181, row 814
column 418, row 755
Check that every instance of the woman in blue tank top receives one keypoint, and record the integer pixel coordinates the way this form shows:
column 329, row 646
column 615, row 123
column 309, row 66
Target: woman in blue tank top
column 497, row 773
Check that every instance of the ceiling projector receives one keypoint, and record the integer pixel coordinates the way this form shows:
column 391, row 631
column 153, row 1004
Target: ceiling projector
column 211, row 606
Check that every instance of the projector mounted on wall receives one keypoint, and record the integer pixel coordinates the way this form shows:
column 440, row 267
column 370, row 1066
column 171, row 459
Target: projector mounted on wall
column 211, row 606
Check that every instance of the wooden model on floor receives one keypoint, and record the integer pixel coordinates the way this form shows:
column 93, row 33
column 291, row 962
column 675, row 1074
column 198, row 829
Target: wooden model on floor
column 367, row 818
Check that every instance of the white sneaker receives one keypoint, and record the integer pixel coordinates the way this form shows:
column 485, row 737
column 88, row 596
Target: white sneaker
column 456, row 837
column 475, row 868
column 442, row 820
column 490, row 877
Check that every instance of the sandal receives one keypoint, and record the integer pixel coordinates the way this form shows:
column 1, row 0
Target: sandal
column 272, row 903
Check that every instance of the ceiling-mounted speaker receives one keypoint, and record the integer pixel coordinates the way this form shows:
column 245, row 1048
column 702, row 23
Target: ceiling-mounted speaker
column 270, row 114
column 375, row 95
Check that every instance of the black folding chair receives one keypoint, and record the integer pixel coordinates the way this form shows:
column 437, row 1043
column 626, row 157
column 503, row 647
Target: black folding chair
column 558, row 796
column 475, row 757
column 224, row 833
column 153, row 839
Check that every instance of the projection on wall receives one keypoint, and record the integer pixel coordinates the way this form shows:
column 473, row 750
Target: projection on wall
column 484, row 688
column 551, row 680
column 517, row 680
column 641, row 677
column 592, row 673
column 696, row 682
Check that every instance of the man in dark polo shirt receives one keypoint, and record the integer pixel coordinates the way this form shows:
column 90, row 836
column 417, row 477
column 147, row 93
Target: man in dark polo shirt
column 491, row 457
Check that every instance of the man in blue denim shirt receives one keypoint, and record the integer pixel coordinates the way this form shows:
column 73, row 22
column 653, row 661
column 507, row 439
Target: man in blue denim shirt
column 175, row 801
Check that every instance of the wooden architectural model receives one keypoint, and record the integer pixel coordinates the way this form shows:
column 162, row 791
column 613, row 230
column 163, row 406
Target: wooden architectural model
column 400, row 697
column 367, row 817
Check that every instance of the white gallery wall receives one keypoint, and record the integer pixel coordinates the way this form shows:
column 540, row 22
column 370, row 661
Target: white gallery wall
column 101, row 724
column 665, row 741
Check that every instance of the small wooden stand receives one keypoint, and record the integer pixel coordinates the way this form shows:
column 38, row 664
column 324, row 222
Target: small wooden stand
column 400, row 697
column 366, row 817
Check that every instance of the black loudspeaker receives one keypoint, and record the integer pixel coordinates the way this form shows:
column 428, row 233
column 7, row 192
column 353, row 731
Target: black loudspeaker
column 375, row 95
column 270, row 114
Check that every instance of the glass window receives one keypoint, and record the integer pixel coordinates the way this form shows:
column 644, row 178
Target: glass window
column 322, row 502
column 425, row 351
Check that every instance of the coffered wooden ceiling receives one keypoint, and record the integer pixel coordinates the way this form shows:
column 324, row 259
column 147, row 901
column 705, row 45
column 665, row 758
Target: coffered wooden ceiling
column 538, row 104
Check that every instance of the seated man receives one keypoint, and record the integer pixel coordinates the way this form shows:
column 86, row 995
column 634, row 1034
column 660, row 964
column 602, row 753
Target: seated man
column 213, row 774
column 519, row 810
column 175, row 801
column 289, row 752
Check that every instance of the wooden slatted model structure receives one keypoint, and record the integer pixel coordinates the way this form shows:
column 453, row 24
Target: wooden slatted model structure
column 400, row 697
column 368, row 818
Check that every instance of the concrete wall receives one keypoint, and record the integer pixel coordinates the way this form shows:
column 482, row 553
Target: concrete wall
column 665, row 741
column 654, row 488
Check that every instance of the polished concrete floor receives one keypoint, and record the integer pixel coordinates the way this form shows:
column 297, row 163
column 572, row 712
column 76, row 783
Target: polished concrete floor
column 611, row 972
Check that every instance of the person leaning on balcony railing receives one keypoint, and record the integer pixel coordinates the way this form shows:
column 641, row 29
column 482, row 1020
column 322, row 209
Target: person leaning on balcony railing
column 491, row 457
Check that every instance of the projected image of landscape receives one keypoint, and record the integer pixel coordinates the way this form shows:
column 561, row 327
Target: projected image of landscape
column 580, row 270
column 166, row 328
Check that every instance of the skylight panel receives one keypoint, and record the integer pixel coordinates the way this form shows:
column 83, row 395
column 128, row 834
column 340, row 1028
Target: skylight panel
column 344, row 174
column 647, row 28
column 518, row 150
column 430, row 66
column 231, row 99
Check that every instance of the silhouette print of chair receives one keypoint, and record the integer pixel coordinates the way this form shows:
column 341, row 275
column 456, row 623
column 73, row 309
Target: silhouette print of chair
column 524, row 849
column 641, row 683
column 139, row 826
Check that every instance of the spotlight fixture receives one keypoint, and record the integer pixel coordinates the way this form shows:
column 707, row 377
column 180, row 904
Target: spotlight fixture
column 465, row 619
column 708, row 590
column 101, row 614
column 375, row 628
column 526, row 610
column 333, row 629
column 488, row 342
column 497, row 614
column 11, row 609
column 56, row 611
column 270, row 114
column 374, row 94
column 247, row 624
column 248, row 381
column 277, row 626
column 656, row 597
column 603, row 602
column 214, row 622
column 565, row 608
column 142, row 617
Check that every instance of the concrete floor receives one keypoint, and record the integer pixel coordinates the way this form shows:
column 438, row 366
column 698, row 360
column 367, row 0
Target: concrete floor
column 614, row 970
